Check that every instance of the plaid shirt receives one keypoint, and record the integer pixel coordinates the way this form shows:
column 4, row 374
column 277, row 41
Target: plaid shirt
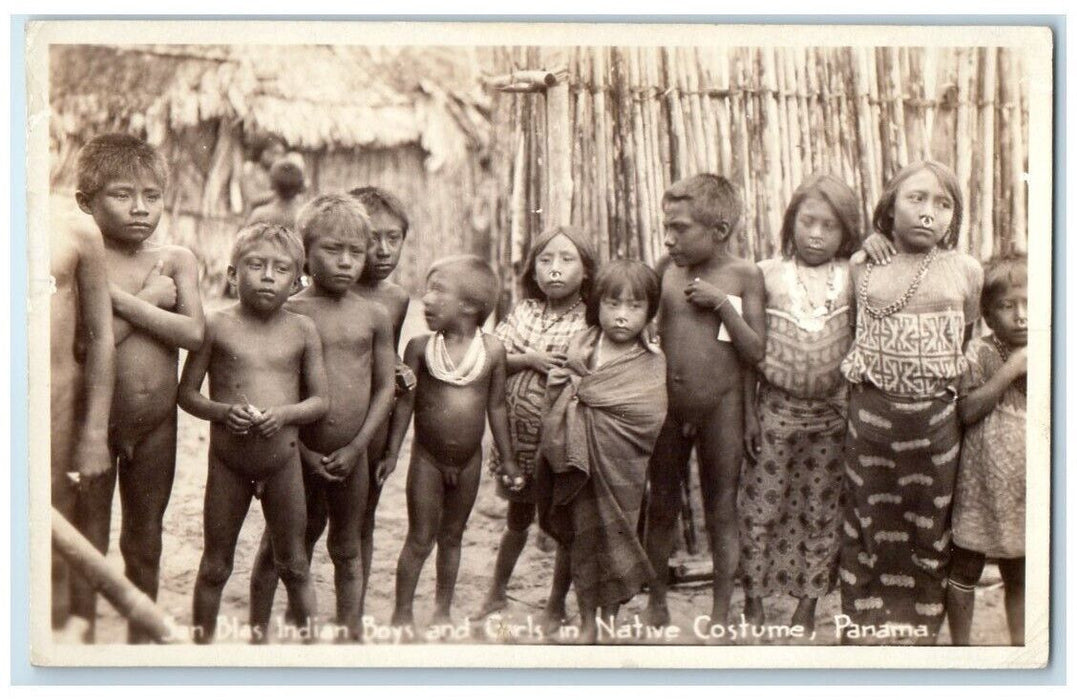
column 526, row 328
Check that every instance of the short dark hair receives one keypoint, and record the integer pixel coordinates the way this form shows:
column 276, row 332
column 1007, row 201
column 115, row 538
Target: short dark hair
column 278, row 235
column 332, row 209
column 713, row 200
column 286, row 178
column 883, row 217
column 580, row 239
column 110, row 156
column 618, row 276
column 478, row 281
column 375, row 199
column 841, row 199
column 1000, row 274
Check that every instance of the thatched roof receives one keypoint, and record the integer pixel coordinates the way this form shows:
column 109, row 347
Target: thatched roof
column 314, row 97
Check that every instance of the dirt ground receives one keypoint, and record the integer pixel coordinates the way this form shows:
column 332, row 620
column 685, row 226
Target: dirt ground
column 527, row 591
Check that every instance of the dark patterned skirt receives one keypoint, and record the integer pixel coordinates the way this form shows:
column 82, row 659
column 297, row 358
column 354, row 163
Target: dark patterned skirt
column 789, row 497
column 901, row 461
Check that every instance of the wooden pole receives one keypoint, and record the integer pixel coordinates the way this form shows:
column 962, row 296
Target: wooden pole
column 676, row 116
column 129, row 601
column 964, row 155
column 897, row 93
column 602, row 175
column 987, row 139
column 1011, row 99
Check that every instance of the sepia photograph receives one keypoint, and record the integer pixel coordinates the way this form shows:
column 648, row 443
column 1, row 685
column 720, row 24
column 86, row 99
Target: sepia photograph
column 522, row 345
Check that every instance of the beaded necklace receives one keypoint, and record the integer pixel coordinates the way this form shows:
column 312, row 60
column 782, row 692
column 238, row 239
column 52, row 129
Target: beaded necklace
column 808, row 316
column 441, row 365
column 1004, row 351
column 902, row 300
column 544, row 326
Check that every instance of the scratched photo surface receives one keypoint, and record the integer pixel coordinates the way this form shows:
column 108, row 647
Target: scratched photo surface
column 660, row 523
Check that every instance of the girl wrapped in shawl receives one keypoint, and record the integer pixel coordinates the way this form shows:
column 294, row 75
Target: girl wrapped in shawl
column 606, row 407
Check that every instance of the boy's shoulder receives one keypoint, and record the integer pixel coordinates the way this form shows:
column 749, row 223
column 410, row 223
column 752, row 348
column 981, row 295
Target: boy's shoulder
column 493, row 345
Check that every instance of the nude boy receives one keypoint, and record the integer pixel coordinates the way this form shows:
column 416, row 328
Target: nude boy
column 157, row 310
column 705, row 376
column 461, row 382
column 266, row 378
column 388, row 231
column 81, row 374
column 357, row 343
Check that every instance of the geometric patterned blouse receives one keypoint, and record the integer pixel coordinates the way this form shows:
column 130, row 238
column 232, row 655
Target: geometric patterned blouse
column 916, row 352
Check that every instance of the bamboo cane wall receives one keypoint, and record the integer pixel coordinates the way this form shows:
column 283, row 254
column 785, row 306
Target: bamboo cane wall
column 622, row 124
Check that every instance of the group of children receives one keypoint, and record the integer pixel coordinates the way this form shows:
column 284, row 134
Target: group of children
column 825, row 393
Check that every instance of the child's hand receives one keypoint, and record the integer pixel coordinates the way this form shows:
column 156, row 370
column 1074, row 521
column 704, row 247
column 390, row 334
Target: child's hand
column 341, row 462
column 511, row 476
column 878, row 248
column 314, row 463
column 268, row 422
column 158, row 288
column 385, row 467
column 543, row 362
column 704, row 294
column 1018, row 362
column 752, row 436
column 91, row 458
column 238, row 420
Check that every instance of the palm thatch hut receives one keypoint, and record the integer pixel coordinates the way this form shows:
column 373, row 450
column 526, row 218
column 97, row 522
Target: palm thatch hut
column 412, row 120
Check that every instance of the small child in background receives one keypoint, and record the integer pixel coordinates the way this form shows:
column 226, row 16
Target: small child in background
column 560, row 269
column 791, row 485
column 989, row 500
column 461, row 382
column 708, row 345
column 254, row 183
column 81, row 379
column 266, row 378
column 607, row 404
column 914, row 316
column 359, row 360
column 287, row 180
column 156, row 310
column 388, row 231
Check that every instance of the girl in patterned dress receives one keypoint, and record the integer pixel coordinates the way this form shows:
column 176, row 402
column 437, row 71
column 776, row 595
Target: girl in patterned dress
column 790, row 488
column 560, row 271
column 989, row 502
column 914, row 316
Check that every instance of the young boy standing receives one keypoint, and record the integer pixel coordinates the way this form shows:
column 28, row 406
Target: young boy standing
column 81, row 390
column 359, row 360
column 461, row 382
column 157, row 310
column 261, row 360
column 388, row 231
column 709, row 345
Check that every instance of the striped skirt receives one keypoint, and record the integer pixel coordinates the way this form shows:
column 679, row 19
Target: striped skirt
column 900, row 465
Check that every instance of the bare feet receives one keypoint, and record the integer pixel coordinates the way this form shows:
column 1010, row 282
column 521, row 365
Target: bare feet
column 754, row 613
column 657, row 613
column 804, row 615
column 552, row 619
column 493, row 603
